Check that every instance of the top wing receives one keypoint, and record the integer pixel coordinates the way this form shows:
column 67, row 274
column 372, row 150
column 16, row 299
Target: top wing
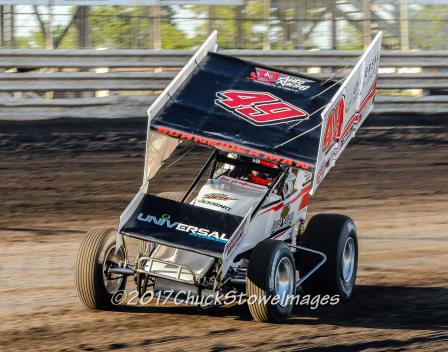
column 249, row 109
column 262, row 112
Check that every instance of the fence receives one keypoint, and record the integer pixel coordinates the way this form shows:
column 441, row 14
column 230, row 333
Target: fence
column 257, row 24
column 123, row 83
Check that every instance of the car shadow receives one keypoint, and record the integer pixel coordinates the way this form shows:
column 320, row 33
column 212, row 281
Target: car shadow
column 382, row 307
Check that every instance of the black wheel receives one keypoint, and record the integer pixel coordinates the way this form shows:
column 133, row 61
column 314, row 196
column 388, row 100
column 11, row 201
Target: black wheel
column 335, row 236
column 96, row 255
column 271, row 272
column 177, row 196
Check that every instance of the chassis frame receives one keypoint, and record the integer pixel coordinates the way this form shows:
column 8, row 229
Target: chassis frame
column 138, row 268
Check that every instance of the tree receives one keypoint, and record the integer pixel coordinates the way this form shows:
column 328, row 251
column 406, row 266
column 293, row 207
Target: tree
column 428, row 27
column 116, row 27
column 251, row 26
column 129, row 27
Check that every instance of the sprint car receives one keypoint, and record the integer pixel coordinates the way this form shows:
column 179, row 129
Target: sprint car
column 240, row 227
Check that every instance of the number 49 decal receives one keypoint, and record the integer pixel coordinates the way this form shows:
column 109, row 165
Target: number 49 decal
column 259, row 108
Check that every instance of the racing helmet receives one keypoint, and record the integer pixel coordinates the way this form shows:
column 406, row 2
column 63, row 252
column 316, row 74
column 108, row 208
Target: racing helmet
column 261, row 178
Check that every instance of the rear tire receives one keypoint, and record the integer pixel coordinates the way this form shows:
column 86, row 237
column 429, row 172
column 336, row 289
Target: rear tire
column 335, row 236
column 96, row 253
column 271, row 272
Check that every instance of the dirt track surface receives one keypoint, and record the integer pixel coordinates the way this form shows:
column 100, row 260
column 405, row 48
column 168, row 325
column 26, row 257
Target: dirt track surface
column 60, row 178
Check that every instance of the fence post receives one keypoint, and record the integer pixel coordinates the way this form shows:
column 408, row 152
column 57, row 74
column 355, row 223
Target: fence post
column 2, row 26
column 334, row 23
column 49, row 29
column 155, row 25
column 83, row 27
column 404, row 25
column 367, row 25
column 266, row 41
column 12, row 29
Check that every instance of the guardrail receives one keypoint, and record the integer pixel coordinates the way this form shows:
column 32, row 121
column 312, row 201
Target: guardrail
column 36, row 83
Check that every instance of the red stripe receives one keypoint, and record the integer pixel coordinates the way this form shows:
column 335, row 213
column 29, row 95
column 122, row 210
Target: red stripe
column 281, row 233
column 361, row 109
column 305, row 200
column 368, row 98
column 297, row 197
column 304, row 190
column 275, row 208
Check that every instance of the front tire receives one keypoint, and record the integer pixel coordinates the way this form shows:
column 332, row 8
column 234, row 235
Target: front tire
column 271, row 272
column 334, row 235
column 96, row 254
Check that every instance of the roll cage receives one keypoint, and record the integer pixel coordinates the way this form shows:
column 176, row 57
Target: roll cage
column 242, row 167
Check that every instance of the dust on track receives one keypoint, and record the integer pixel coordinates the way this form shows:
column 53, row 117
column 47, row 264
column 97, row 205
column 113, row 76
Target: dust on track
column 61, row 177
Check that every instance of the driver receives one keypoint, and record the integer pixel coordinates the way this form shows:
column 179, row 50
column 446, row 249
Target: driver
column 261, row 178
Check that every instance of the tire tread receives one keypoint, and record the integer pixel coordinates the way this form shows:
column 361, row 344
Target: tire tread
column 85, row 267
column 257, row 280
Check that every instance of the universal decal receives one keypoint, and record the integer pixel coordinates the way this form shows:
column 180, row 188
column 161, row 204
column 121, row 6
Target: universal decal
column 166, row 221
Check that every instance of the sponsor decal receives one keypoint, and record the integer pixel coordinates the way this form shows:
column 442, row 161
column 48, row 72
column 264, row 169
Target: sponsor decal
column 285, row 211
column 259, row 108
column 333, row 124
column 235, row 148
column 218, row 196
column 165, row 221
column 215, row 204
column 371, row 69
column 211, row 198
column 282, row 80
column 335, row 118
column 243, row 184
column 285, row 221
